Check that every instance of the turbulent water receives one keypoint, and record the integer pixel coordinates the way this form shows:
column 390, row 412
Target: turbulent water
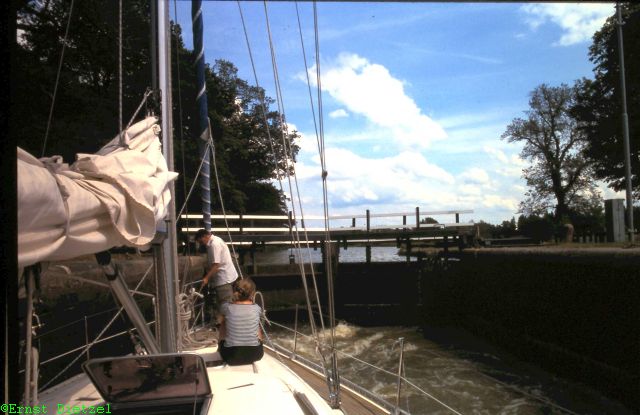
column 453, row 372
column 448, row 370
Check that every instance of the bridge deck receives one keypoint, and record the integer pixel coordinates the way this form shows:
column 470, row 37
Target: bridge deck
column 341, row 234
column 242, row 228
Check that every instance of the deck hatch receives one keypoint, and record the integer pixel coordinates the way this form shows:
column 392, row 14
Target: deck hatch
column 131, row 379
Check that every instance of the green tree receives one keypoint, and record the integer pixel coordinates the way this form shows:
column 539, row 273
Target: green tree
column 506, row 229
column 485, row 230
column 85, row 115
column 598, row 106
column 247, row 155
column 538, row 228
column 559, row 178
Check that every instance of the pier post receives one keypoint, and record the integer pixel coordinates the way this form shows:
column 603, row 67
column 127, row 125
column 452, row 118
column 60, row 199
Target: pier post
column 254, row 266
column 290, row 225
column 417, row 217
column 446, row 249
column 368, row 253
column 408, row 249
column 330, row 260
column 368, row 220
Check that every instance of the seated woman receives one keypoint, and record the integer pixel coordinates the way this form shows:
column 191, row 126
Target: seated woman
column 240, row 333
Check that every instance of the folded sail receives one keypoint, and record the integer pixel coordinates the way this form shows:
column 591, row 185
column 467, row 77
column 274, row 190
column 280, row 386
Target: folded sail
column 112, row 198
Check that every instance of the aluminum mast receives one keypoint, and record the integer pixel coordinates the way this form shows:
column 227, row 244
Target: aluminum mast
column 168, row 250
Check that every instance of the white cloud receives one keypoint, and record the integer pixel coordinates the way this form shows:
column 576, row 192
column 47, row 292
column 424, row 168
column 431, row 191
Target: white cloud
column 354, row 181
column 404, row 180
column 368, row 89
column 500, row 201
column 400, row 182
column 339, row 113
column 496, row 153
column 510, row 166
column 578, row 21
column 474, row 175
column 608, row 193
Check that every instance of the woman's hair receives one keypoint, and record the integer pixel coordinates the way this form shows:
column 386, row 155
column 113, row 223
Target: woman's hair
column 244, row 289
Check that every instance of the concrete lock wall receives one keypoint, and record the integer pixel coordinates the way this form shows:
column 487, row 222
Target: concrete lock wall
column 575, row 312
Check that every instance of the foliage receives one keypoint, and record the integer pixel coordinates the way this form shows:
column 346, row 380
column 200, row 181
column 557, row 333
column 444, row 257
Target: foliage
column 544, row 227
column 539, row 228
column 559, row 178
column 598, row 107
column 506, row 229
column 485, row 229
column 85, row 115
column 588, row 218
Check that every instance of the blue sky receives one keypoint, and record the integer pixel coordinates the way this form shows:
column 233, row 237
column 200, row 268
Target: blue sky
column 415, row 95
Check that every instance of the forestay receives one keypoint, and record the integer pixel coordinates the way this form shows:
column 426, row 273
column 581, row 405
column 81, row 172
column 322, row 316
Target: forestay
column 112, row 198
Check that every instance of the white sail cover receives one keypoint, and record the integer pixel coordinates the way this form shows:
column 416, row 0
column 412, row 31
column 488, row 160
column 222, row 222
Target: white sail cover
column 112, row 198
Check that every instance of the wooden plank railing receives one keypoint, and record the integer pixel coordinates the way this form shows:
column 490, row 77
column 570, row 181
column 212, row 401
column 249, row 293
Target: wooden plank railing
column 367, row 216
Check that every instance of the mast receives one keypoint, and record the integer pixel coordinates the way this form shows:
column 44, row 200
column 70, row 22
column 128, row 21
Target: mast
column 625, row 129
column 167, row 252
column 201, row 100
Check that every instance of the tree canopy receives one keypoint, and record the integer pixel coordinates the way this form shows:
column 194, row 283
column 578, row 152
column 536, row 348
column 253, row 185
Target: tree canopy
column 85, row 115
column 598, row 107
column 559, row 178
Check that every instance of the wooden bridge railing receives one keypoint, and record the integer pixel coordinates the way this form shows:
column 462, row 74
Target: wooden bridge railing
column 415, row 217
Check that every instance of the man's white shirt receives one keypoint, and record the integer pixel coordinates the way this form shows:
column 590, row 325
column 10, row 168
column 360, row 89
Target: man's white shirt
column 217, row 252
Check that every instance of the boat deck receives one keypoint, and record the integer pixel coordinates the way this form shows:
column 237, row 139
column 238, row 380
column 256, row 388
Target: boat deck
column 270, row 385
column 351, row 403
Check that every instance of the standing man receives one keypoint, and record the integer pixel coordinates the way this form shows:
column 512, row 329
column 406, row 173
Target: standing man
column 219, row 267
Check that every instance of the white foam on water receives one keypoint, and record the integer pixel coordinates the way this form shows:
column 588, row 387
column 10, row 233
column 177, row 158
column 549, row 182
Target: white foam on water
column 469, row 386
column 410, row 347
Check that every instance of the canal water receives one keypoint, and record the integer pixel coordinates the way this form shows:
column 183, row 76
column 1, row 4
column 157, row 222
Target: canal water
column 351, row 254
column 447, row 369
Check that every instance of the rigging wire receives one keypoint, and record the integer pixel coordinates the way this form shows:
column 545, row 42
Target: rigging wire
column 332, row 376
column 145, row 97
column 55, row 87
column 182, row 142
column 224, row 213
column 120, row 82
column 98, row 337
column 289, row 156
column 277, row 169
column 211, row 147
column 334, row 380
column 306, row 72
column 304, row 55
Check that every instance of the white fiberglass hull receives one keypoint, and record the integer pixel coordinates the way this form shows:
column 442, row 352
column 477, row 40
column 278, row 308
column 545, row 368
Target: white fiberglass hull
column 266, row 387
